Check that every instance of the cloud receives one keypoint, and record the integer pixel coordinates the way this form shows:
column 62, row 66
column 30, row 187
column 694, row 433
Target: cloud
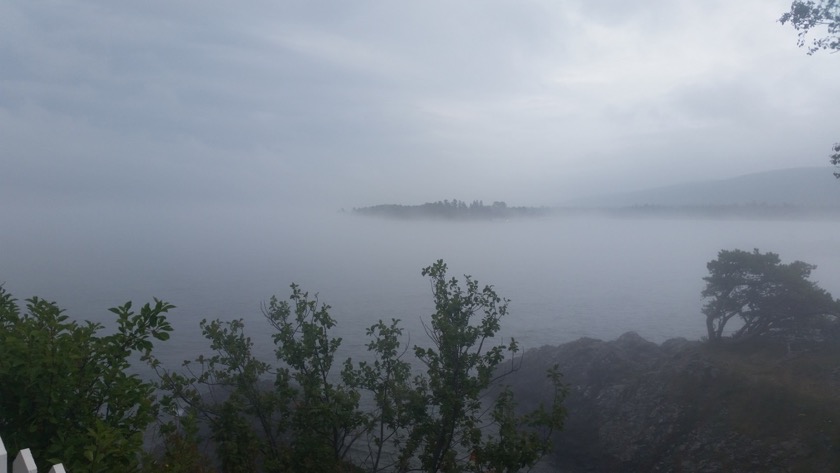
column 352, row 104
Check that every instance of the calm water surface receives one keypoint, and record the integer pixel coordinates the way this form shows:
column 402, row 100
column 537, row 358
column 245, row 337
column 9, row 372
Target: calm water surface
column 566, row 277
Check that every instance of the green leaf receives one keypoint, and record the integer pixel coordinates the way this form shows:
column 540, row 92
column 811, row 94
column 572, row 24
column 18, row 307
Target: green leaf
column 163, row 336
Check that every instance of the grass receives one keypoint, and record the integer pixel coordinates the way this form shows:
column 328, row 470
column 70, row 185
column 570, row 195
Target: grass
column 760, row 391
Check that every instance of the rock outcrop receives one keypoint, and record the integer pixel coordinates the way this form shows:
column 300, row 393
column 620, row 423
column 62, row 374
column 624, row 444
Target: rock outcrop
column 686, row 406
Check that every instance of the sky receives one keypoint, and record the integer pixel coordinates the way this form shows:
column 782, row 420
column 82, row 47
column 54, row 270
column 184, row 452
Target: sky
column 189, row 104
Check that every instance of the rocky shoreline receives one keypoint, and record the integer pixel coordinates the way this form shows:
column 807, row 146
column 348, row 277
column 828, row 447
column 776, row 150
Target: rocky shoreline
column 685, row 405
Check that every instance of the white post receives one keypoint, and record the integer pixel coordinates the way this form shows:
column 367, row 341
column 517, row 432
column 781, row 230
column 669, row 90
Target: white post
column 4, row 459
column 24, row 463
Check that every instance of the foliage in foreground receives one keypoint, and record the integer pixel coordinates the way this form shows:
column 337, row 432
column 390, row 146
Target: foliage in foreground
column 66, row 391
column 376, row 415
column 807, row 16
column 767, row 297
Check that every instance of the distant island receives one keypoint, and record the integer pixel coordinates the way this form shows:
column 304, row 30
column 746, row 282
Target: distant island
column 452, row 210
column 456, row 210
column 786, row 194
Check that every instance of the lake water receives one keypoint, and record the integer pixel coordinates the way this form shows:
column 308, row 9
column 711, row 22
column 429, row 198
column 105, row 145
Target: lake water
column 566, row 277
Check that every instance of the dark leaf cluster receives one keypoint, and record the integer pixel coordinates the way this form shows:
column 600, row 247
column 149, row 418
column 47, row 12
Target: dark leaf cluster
column 68, row 392
column 807, row 16
column 377, row 415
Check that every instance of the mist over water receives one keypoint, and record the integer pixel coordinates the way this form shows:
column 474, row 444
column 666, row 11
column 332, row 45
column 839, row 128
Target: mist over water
column 566, row 277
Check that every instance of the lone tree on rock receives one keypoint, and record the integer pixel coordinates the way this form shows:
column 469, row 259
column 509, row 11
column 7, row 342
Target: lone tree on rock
column 767, row 296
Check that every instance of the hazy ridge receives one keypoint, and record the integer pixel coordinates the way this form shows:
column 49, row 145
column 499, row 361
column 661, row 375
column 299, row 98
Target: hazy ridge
column 805, row 187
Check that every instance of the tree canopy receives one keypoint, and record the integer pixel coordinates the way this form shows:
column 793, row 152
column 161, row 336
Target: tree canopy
column 66, row 391
column 73, row 396
column 807, row 16
column 835, row 158
column 765, row 295
column 444, row 413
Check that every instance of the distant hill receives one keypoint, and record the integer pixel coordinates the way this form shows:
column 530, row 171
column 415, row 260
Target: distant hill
column 802, row 187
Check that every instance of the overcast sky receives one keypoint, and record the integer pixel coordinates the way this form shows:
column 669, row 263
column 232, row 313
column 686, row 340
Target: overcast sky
column 354, row 103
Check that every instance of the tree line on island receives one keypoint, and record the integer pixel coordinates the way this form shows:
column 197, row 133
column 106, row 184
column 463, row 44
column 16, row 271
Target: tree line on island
column 451, row 210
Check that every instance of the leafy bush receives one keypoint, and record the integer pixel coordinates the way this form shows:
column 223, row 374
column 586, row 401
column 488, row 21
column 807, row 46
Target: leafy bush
column 66, row 391
column 433, row 420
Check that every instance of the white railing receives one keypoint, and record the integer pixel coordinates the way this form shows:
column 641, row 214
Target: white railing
column 24, row 463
